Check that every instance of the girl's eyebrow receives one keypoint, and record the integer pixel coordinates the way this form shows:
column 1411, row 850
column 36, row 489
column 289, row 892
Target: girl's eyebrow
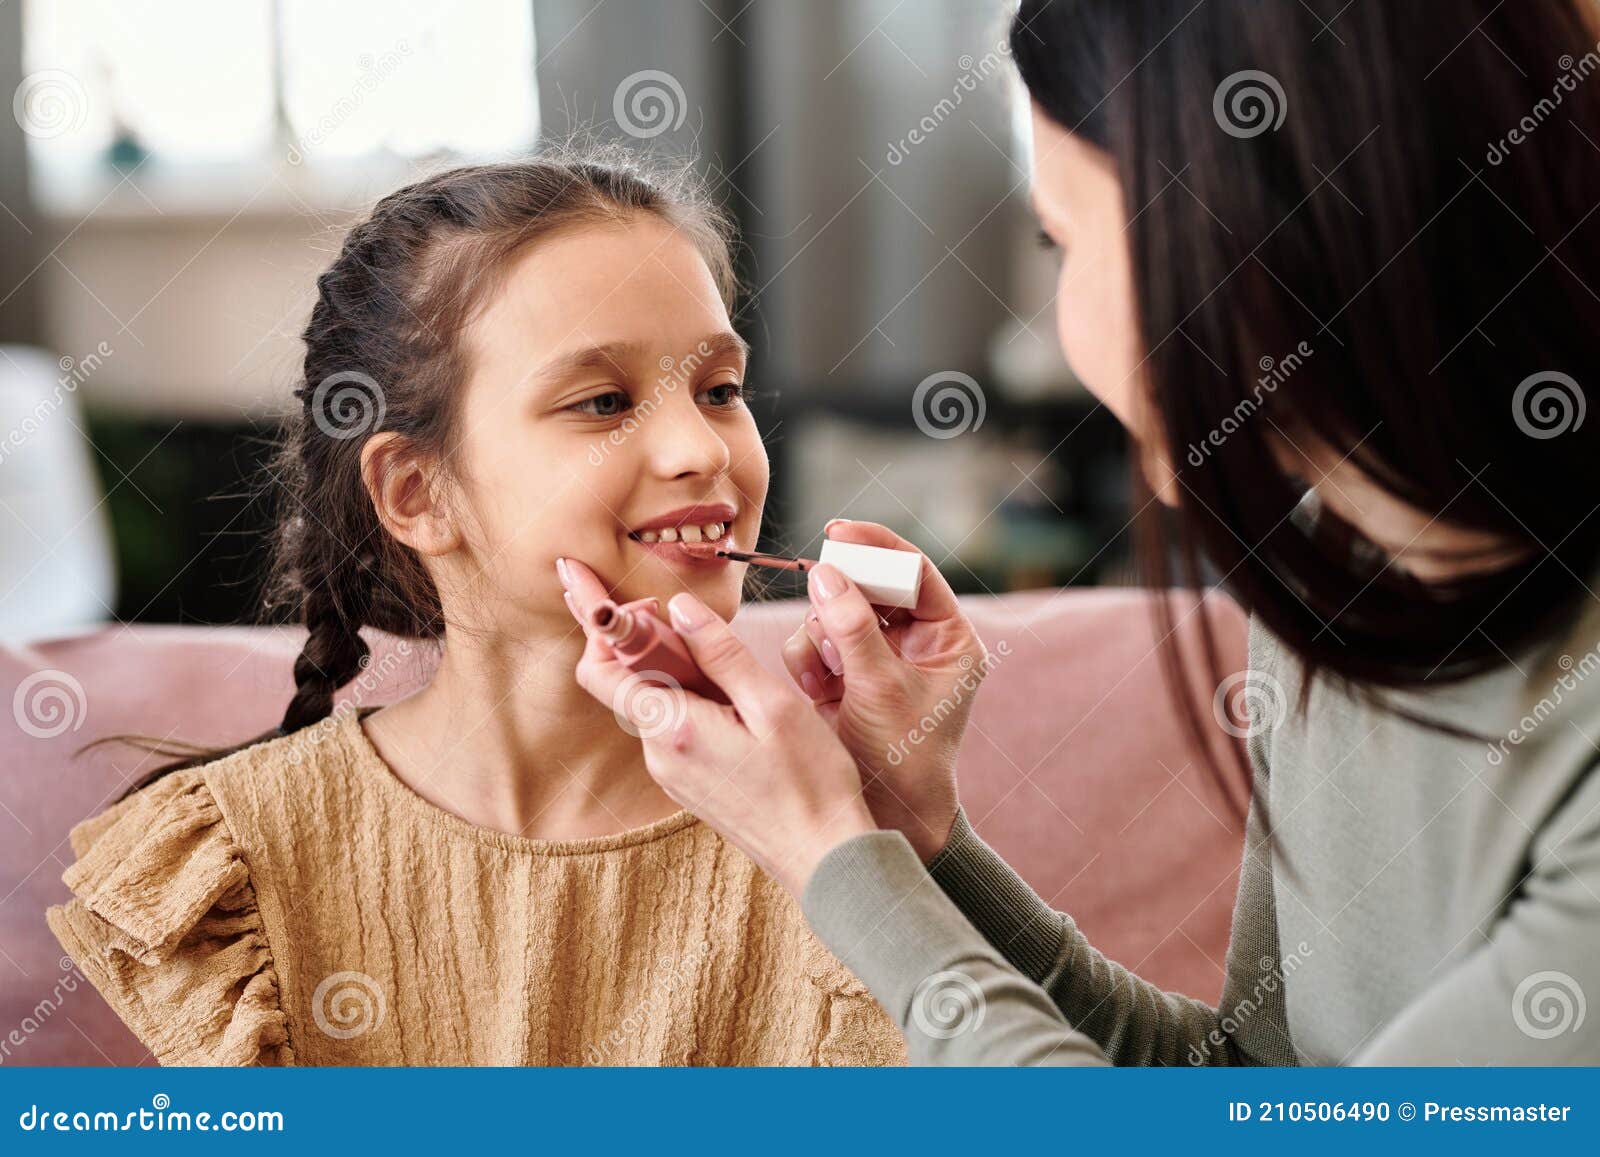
column 617, row 355
column 610, row 356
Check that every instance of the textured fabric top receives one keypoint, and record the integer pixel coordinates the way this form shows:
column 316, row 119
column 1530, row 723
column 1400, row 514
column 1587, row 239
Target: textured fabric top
column 296, row 903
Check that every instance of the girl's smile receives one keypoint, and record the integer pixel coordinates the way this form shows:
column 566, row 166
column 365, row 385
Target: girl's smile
column 689, row 536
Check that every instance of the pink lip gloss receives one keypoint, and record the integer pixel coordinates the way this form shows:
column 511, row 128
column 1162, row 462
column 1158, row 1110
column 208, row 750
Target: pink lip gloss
column 644, row 643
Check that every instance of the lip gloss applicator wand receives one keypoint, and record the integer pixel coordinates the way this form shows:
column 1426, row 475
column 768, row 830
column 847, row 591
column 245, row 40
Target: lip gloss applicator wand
column 889, row 578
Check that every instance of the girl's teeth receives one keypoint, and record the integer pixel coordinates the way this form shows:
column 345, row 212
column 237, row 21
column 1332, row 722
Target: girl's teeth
column 710, row 532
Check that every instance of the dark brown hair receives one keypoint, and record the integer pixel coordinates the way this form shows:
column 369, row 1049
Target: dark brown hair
column 1406, row 190
column 383, row 353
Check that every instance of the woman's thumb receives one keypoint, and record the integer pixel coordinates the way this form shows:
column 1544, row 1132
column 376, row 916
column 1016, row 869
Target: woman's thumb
column 849, row 621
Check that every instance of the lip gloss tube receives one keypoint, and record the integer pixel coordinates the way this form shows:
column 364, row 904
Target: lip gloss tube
column 643, row 642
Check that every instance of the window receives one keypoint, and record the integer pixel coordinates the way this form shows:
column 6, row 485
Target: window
column 194, row 81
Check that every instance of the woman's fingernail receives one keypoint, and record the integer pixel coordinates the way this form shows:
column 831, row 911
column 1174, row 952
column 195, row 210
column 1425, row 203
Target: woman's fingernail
column 572, row 609
column 825, row 582
column 688, row 613
column 830, row 656
column 809, row 684
column 833, row 522
column 561, row 573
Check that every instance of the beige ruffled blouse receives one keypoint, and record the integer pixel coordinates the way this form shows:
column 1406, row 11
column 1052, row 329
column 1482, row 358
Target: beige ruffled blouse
column 296, row 903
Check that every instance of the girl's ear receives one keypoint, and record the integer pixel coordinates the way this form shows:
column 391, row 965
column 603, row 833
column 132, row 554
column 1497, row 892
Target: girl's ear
column 405, row 497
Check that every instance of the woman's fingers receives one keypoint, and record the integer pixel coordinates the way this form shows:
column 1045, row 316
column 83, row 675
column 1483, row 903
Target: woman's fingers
column 757, row 694
column 935, row 599
column 853, row 644
column 583, row 585
column 803, row 658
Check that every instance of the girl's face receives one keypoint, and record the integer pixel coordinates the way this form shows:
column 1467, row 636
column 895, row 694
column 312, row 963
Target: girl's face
column 604, row 416
column 1078, row 199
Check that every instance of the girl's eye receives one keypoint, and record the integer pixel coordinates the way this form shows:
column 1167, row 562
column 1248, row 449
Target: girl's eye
column 726, row 395
column 1046, row 241
column 604, row 405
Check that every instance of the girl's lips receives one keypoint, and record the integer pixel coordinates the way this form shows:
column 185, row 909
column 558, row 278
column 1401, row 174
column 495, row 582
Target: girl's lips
column 688, row 554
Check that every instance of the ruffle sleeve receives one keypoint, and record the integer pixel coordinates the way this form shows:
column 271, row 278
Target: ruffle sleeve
column 164, row 923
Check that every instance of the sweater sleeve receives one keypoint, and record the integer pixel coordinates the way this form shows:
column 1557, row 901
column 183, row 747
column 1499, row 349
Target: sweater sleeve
column 164, row 923
column 1046, row 994
column 956, row 999
column 1134, row 1021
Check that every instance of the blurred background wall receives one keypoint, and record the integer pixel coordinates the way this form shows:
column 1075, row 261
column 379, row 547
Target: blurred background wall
column 176, row 174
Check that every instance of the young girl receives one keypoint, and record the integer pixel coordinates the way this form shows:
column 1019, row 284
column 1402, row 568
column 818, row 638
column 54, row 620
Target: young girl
column 505, row 364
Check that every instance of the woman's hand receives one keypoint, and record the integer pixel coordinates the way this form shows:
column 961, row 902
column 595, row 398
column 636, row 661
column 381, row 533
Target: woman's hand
column 767, row 772
column 898, row 688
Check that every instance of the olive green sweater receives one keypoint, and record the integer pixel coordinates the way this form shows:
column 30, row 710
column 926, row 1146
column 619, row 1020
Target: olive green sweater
column 1416, row 899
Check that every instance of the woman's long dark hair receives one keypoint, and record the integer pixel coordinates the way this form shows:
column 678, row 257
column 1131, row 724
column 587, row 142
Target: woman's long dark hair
column 1410, row 190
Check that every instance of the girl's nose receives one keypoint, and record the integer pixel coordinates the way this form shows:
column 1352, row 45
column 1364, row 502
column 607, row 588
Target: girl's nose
column 683, row 443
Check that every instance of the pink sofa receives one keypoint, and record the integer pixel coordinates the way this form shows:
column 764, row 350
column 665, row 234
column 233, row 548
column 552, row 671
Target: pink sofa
column 1075, row 768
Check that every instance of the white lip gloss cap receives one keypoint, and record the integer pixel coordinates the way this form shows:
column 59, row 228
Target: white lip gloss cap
column 889, row 578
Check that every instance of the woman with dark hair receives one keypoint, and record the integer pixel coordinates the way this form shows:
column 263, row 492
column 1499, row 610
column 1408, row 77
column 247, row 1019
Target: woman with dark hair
column 1336, row 267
